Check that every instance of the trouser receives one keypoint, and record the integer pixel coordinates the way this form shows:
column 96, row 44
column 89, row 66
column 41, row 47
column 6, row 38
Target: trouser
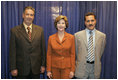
column 30, row 76
column 89, row 72
column 60, row 73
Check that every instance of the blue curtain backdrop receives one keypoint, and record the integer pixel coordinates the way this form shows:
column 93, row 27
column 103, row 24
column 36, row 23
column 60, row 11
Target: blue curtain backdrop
column 46, row 11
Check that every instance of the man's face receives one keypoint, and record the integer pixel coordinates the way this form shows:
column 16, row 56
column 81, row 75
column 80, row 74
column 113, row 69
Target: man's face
column 90, row 22
column 28, row 16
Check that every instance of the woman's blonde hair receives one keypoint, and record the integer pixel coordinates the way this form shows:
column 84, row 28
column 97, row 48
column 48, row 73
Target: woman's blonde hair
column 59, row 18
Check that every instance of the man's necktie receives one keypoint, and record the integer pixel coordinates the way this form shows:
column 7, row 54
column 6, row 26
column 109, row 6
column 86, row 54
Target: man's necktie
column 90, row 56
column 29, row 33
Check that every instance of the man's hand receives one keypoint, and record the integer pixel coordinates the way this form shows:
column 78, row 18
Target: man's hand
column 42, row 69
column 14, row 72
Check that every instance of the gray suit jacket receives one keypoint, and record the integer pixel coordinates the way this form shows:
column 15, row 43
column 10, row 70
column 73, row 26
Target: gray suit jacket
column 26, row 55
column 81, row 52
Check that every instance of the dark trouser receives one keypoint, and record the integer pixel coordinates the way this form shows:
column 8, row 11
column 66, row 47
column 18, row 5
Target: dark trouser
column 30, row 76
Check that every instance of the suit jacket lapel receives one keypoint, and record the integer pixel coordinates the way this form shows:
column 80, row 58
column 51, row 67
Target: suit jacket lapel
column 34, row 30
column 23, row 32
column 64, row 38
column 85, row 38
column 96, row 38
column 57, row 38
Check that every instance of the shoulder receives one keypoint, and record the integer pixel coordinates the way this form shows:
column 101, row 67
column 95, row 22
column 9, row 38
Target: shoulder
column 101, row 33
column 14, row 29
column 79, row 32
column 69, row 35
column 52, row 36
column 37, row 27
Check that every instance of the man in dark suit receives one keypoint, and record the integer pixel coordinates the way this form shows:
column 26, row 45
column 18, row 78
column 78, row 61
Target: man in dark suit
column 27, row 48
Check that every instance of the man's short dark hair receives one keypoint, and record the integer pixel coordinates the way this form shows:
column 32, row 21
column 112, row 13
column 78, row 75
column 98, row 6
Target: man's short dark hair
column 29, row 7
column 88, row 14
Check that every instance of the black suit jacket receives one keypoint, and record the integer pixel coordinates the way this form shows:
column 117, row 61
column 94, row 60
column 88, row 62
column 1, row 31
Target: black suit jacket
column 26, row 55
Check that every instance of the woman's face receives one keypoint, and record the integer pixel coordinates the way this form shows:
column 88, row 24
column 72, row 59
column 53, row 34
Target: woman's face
column 61, row 25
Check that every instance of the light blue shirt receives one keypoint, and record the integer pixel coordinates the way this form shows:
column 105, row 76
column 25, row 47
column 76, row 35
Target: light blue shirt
column 88, row 35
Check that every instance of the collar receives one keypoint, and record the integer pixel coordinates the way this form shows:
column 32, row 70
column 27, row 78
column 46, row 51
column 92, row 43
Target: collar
column 27, row 26
column 87, row 30
column 64, row 38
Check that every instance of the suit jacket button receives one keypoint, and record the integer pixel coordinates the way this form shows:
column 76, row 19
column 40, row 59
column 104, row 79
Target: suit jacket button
column 62, row 57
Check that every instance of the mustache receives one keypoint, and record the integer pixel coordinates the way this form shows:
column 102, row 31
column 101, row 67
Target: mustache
column 90, row 24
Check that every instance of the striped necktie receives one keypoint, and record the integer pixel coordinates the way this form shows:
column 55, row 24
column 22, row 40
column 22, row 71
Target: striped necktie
column 90, row 56
column 29, row 33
